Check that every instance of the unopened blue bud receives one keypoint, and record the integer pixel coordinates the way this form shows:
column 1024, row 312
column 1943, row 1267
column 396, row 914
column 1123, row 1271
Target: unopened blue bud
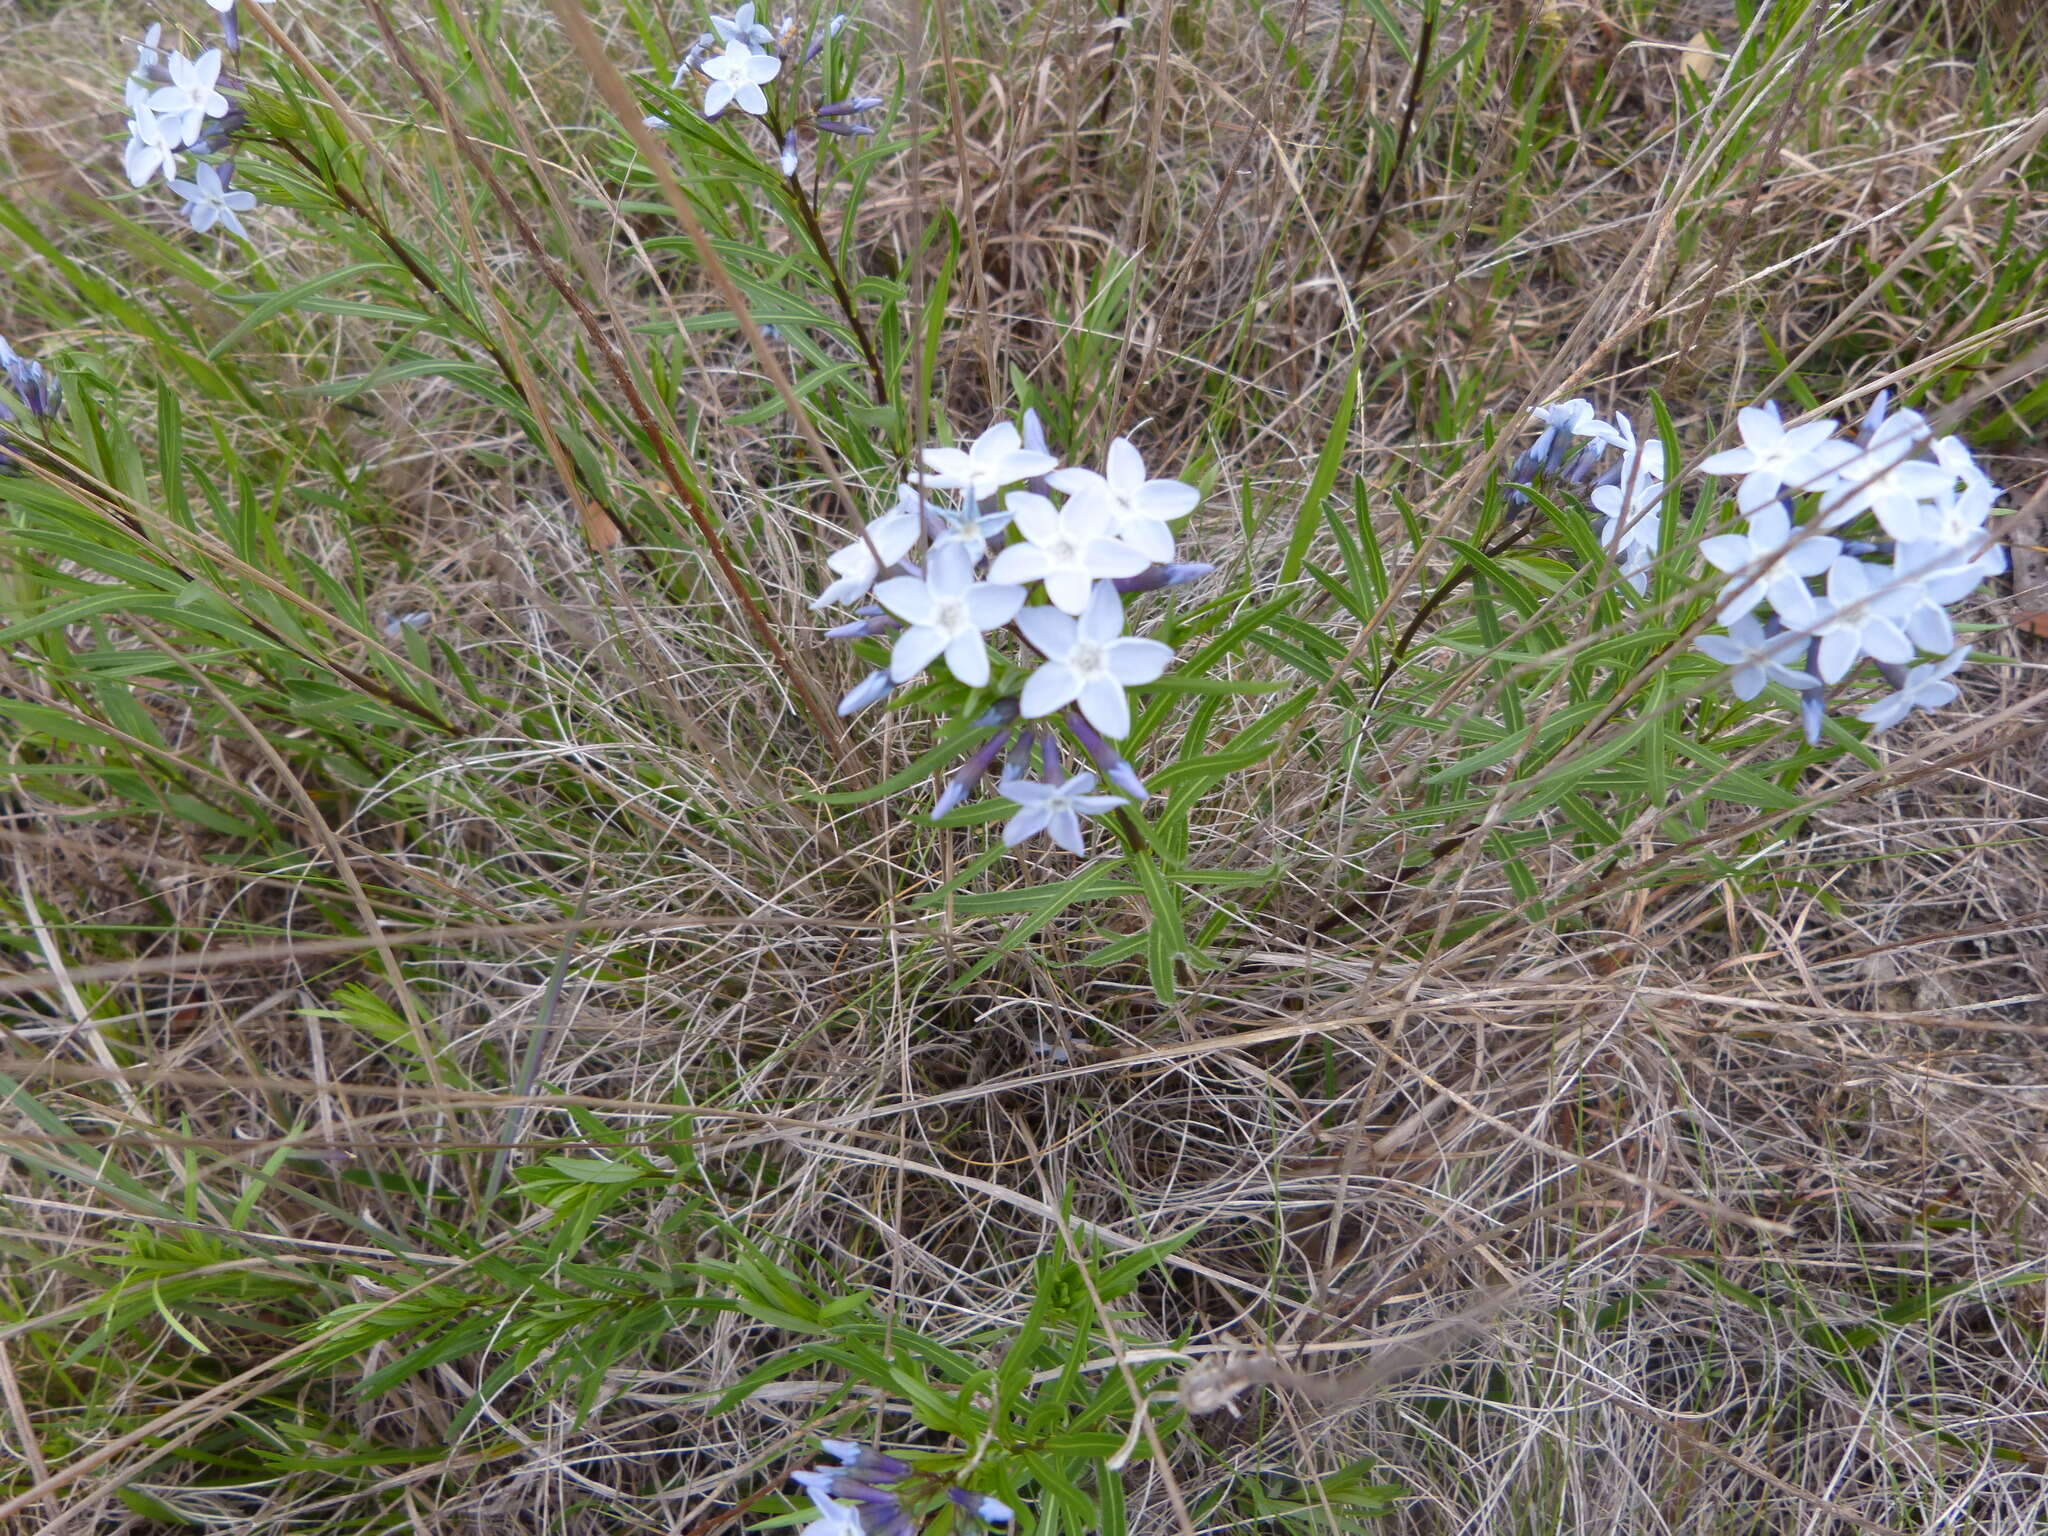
column 875, row 687
column 1158, row 576
column 863, row 629
column 1002, row 712
column 982, row 1506
column 847, row 130
column 971, row 772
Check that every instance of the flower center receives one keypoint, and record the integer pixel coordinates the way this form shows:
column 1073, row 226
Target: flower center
column 1062, row 552
column 1086, row 659
column 949, row 614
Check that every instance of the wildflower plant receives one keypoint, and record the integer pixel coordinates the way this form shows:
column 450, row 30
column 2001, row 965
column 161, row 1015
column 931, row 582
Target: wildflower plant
column 761, row 103
column 1851, row 548
column 182, row 122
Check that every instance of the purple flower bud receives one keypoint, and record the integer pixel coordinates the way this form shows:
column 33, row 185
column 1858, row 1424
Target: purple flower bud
column 1017, row 765
column 847, row 130
column 983, row 1506
column 846, row 1486
column 874, row 1466
column 1106, row 757
column 850, row 106
column 1034, row 439
column 1580, row 469
column 231, row 29
column 863, row 629
column 975, row 766
column 970, row 774
column 789, row 160
column 872, row 689
column 37, row 389
column 1002, row 712
column 1813, row 702
column 1151, row 580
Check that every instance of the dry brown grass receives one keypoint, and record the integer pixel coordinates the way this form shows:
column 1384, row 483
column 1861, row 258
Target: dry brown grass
column 1824, row 1089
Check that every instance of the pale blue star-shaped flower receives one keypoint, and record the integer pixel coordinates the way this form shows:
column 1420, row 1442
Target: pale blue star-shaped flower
column 1766, row 562
column 1774, row 457
column 946, row 612
column 1054, row 809
column 889, row 536
column 1089, row 662
column 1926, row 687
column 1139, row 509
column 1756, row 658
column 209, row 201
column 742, row 28
column 1069, row 548
column 736, row 77
column 1854, row 620
column 148, row 155
column 183, row 106
column 993, row 460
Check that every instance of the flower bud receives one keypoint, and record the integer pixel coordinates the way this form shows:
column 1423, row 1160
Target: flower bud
column 971, row 771
column 1158, row 576
column 875, row 687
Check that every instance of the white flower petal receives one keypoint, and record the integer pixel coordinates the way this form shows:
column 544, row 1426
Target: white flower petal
column 1104, row 704
column 1135, row 661
column 1028, row 822
column 915, row 649
column 1052, row 687
column 1049, row 630
column 967, row 657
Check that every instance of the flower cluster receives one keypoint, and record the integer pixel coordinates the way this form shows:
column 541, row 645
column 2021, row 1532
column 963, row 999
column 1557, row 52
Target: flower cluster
column 873, row 1494
column 1107, row 537
column 1627, row 494
column 739, row 57
column 34, row 389
column 1854, row 547
column 176, row 106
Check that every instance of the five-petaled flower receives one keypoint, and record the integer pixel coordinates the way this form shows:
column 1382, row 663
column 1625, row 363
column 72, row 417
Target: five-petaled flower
column 1068, row 548
column 742, row 28
column 148, row 154
column 946, row 612
column 1774, row 456
column 888, row 537
column 1089, row 661
column 1562, row 422
column 736, row 77
column 1926, row 687
column 1756, row 657
column 210, row 201
column 1767, row 562
column 190, row 99
column 1854, row 620
column 1139, row 509
column 993, row 460
column 1054, row 809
